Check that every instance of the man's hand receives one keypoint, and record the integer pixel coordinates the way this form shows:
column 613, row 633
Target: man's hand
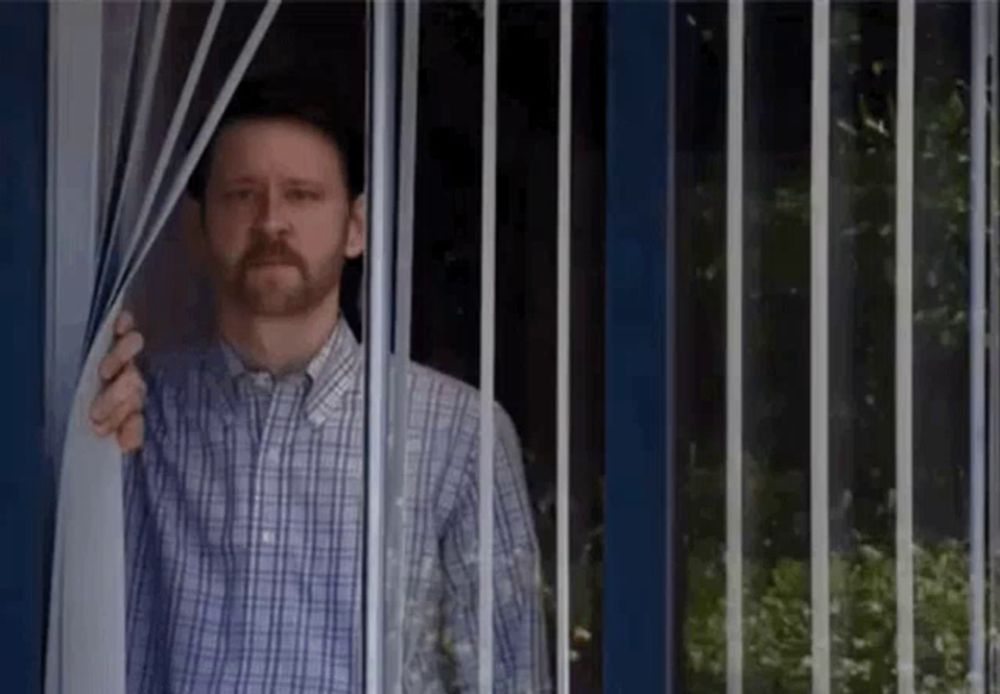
column 118, row 406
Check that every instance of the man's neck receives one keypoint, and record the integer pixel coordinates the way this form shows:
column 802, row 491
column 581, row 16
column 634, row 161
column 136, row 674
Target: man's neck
column 279, row 345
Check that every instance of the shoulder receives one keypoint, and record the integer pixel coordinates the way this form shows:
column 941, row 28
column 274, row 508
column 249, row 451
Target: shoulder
column 428, row 385
column 451, row 396
column 444, row 400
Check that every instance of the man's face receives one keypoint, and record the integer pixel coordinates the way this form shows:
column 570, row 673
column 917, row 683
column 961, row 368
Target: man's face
column 279, row 217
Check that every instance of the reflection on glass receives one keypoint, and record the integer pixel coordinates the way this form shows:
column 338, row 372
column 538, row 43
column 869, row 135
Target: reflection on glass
column 446, row 271
column 776, row 349
column 862, row 348
column 776, row 619
column 700, row 174
column 941, row 388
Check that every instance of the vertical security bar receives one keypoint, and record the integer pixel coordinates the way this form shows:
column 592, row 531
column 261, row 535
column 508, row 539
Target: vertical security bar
column 382, row 149
column 487, row 342
column 734, row 353
column 819, row 503
column 904, row 348
column 397, row 477
column 565, row 172
column 993, row 17
column 73, row 144
column 977, row 351
column 74, row 77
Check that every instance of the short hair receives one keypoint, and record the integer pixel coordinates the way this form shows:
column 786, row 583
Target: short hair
column 294, row 99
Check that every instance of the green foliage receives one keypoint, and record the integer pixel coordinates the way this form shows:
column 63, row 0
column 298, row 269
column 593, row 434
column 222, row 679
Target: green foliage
column 777, row 619
column 861, row 254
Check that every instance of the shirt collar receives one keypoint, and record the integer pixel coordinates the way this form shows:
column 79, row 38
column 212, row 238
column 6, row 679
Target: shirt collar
column 332, row 373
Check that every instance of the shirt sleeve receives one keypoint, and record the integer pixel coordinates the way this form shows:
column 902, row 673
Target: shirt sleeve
column 520, row 656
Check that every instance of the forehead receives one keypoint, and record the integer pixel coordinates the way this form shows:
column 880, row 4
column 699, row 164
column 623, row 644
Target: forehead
column 275, row 146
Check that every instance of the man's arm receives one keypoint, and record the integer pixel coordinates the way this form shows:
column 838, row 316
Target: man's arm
column 520, row 657
column 117, row 409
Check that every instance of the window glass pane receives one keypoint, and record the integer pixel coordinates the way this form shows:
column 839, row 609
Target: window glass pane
column 863, row 295
column 447, row 279
column 941, row 386
column 700, row 172
column 862, row 344
column 244, row 510
column 776, row 348
column 775, row 307
column 246, row 515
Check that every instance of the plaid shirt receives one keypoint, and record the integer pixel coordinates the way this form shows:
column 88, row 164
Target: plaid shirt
column 245, row 531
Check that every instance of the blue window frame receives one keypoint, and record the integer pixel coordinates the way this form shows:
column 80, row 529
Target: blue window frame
column 22, row 219
column 638, row 459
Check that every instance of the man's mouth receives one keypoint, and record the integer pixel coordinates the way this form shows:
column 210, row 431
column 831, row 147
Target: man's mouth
column 271, row 262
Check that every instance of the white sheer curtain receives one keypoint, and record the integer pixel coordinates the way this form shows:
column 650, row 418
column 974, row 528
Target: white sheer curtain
column 166, row 72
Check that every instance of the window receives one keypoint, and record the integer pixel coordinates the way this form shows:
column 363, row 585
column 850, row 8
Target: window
column 848, row 355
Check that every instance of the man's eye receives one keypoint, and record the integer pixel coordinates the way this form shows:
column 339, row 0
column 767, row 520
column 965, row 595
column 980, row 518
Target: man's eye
column 302, row 194
column 240, row 194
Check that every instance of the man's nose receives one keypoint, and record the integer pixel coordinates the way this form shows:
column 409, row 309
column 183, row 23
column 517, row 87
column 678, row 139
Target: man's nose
column 270, row 213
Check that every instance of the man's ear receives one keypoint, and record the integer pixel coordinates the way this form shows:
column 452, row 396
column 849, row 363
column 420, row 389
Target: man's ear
column 357, row 228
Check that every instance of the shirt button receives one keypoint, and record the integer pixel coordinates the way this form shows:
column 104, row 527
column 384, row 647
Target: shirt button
column 267, row 537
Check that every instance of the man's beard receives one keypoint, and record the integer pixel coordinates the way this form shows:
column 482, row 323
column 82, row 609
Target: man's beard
column 277, row 297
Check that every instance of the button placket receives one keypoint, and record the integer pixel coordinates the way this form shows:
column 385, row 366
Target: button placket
column 263, row 531
column 285, row 393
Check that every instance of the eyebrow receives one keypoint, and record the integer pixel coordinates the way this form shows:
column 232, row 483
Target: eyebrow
column 240, row 179
column 295, row 181
column 311, row 182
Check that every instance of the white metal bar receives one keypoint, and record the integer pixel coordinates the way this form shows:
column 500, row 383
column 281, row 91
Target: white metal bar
column 819, row 390
column 977, row 351
column 74, row 116
column 904, row 348
column 74, row 74
column 993, row 17
column 563, row 385
column 72, row 202
column 382, row 143
column 397, row 476
column 487, row 354
column 734, row 352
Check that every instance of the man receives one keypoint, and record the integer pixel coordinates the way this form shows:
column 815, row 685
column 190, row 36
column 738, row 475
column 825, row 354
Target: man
column 245, row 509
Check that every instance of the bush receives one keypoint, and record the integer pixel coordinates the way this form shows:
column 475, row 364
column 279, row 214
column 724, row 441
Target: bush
column 776, row 625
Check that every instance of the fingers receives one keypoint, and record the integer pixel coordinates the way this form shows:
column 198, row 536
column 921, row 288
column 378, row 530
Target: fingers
column 131, row 433
column 118, row 407
column 126, row 348
column 119, row 400
column 124, row 323
column 114, row 421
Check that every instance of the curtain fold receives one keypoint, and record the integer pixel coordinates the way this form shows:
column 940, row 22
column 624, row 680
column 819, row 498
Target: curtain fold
column 148, row 116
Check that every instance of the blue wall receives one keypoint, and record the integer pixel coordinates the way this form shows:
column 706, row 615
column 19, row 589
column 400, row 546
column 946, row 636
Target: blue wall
column 637, row 638
column 23, row 60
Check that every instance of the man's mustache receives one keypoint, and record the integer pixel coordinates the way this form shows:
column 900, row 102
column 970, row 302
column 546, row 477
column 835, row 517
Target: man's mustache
column 268, row 252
